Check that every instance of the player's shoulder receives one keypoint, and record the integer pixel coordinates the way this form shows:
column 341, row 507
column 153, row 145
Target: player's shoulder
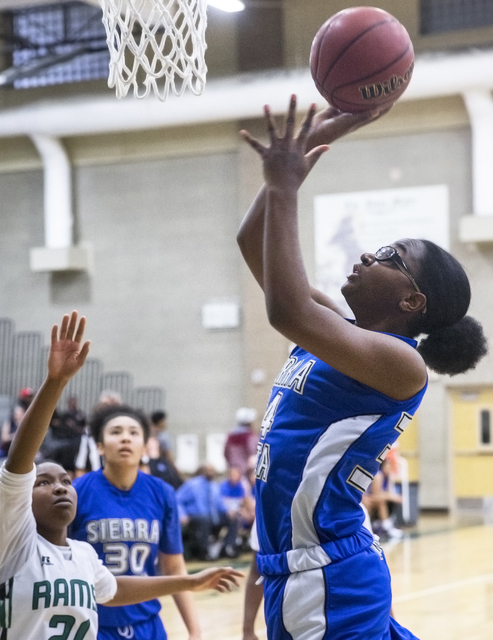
column 83, row 549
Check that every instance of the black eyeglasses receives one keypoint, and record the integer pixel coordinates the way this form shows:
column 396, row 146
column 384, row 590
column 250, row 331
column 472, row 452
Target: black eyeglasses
column 391, row 253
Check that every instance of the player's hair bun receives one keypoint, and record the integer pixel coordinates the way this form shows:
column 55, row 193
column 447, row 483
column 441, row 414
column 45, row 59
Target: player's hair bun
column 456, row 348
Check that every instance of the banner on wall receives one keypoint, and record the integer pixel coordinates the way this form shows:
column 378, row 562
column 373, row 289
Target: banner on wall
column 349, row 224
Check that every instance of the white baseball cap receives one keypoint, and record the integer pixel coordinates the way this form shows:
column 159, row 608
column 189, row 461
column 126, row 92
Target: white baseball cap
column 244, row 415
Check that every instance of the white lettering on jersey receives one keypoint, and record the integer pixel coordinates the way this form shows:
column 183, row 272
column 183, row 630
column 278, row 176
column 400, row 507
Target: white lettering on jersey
column 270, row 414
column 294, row 374
column 403, row 422
column 154, row 537
column 77, row 593
column 119, row 557
column 298, row 381
column 381, row 457
column 92, row 531
column 114, row 529
column 263, row 463
column 360, row 478
column 122, row 530
column 128, row 529
column 285, row 373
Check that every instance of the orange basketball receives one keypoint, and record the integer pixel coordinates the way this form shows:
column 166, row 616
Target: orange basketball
column 362, row 58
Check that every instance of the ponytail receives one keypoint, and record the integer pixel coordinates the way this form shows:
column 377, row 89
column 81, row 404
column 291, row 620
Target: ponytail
column 455, row 342
column 456, row 348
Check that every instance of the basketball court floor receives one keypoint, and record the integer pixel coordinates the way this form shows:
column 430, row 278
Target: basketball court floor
column 442, row 576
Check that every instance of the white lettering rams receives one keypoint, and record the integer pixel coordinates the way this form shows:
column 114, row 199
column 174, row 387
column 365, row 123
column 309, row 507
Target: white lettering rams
column 294, row 374
column 122, row 529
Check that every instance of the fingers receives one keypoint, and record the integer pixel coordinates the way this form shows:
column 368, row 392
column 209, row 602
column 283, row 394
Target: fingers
column 69, row 330
column 307, row 123
column 72, row 325
column 290, row 120
column 64, row 327
column 315, row 154
column 271, row 125
column 80, row 330
column 364, row 117
column 84, row 352
column 382, row 112
column 223, row 578
column 223, row 586
column 253, row 142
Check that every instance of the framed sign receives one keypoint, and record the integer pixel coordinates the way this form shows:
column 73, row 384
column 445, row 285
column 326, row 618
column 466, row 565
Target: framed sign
column 349, row 224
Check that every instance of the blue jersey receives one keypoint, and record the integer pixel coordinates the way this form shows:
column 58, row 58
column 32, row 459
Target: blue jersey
column 323, row 438
column 127, row 529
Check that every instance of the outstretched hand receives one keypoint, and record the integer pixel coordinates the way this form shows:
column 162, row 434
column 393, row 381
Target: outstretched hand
column 330, row 124
column 286, row 163
column 219, row 578
column 67, row 353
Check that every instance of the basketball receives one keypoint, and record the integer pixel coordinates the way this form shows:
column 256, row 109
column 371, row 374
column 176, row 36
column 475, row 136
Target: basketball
column 362, row 58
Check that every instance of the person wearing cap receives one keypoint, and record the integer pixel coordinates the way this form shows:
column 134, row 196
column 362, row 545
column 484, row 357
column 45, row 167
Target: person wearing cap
column 241, row 443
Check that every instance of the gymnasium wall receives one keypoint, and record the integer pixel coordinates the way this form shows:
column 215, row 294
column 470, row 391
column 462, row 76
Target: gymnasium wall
column 161, row 210
column 162, row 231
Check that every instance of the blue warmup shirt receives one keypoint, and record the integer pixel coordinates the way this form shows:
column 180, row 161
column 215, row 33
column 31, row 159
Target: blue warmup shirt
column 232, row 494
column 199, row 497
column 127, row 529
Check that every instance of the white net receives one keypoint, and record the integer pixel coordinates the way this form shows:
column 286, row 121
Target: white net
column 156, row 46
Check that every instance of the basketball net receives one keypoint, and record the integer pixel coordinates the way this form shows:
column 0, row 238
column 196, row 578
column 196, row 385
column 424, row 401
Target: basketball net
column 156, row 46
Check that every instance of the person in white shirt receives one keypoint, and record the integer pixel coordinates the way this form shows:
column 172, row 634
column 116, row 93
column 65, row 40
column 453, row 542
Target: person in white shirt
column 49, row 584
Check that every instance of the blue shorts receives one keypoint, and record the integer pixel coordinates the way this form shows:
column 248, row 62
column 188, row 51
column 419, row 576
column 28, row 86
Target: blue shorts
column 151, row 629
column 345, row 600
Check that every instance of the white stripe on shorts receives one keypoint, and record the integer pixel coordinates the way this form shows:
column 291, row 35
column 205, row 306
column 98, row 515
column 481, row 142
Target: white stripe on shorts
column 303, row 606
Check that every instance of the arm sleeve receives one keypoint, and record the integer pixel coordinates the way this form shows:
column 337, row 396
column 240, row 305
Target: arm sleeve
column 17, row 525
column 104, row 581
column 171, row 538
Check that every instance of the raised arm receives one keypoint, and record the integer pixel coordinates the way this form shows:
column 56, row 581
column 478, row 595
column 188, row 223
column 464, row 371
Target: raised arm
column 375, row 359
column 67, row 355
column 327, row 126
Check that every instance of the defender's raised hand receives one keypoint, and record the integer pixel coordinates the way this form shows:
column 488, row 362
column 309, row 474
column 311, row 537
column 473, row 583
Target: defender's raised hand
column 67, row 353
column 286, row 163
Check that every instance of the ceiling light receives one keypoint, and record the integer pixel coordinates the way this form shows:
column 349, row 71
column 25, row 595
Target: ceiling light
column 227, row 5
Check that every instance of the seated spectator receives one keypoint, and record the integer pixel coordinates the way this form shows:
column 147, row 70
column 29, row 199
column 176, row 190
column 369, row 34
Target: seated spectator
column 241, row 443
column 203, row 515
column 161, row 464
column 380, row 500
column 232, row 490
column 62, row 441
column 238, row 498
column 247, row 513
column 74, row 419
column 10, row 426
